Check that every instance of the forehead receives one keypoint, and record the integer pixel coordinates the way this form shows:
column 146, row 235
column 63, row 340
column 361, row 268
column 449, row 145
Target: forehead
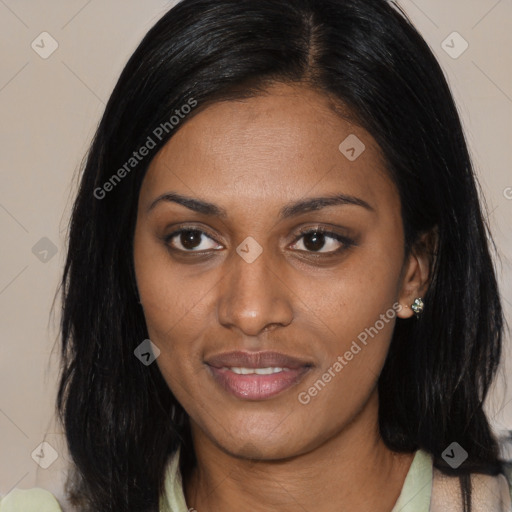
column 274, row 147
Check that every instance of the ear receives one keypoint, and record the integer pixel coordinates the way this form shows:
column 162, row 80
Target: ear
column 417, row 271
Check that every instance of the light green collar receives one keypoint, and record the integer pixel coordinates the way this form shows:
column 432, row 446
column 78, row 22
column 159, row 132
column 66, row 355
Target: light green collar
column 417, row 489
column 415, row 495
column 173, row 499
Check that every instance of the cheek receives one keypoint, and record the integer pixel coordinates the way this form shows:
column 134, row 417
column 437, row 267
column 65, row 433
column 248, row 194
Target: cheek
column 177, row 303
column 351, row 366
column 357, row 308
column 353, row 298
column 170, row 304
column 168, row 296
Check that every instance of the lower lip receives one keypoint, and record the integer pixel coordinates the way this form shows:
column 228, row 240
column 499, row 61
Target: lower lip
column 257, row 387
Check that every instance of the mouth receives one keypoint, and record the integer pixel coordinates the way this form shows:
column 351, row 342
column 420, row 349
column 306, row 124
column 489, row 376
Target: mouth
column 256, row 376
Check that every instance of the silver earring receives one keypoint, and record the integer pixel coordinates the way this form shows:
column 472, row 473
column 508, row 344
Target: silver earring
column 417, row 306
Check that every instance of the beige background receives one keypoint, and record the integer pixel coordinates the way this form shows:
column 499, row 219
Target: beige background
column 49, row 109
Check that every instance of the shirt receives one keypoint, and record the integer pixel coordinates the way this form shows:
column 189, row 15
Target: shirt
column 425, row 489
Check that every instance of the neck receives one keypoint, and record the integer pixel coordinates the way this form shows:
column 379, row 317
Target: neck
column 353, row 470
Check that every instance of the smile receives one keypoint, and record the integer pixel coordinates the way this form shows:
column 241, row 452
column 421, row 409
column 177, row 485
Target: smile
column 257, row 383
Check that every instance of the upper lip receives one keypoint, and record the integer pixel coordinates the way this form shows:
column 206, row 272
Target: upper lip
column 239, row 359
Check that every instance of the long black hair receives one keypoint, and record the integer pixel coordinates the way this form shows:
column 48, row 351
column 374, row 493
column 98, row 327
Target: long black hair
column 122, row 422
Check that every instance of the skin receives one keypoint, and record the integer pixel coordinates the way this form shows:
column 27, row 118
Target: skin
column 252, row 157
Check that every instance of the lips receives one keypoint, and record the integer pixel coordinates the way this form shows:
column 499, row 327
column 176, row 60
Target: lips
column 267, row 359
column 232, row 371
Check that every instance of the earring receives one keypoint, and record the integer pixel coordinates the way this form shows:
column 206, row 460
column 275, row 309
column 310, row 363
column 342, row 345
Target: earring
column 417, row 306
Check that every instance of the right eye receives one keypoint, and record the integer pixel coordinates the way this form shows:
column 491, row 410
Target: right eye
column 189, row 240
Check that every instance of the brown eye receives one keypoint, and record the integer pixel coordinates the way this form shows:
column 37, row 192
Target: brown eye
column 190, row 240
column 317, row 239
column 314, row 241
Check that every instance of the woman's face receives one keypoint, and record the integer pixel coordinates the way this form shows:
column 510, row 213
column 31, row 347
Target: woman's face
column 245, row 277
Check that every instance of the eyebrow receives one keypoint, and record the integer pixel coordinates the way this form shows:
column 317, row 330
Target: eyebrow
column 289, row 210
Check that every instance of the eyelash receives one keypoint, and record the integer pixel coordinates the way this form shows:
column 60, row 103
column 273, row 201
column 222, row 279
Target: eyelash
column 345, row 241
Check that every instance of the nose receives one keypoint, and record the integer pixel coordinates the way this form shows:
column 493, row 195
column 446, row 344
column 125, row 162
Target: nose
column 253, row 297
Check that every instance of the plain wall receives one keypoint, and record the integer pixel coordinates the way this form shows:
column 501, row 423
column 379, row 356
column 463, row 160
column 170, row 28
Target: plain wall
column 49, row 110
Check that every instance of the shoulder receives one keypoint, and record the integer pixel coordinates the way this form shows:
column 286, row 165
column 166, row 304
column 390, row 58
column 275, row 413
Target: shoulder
column 29, row 500
column 487, row 491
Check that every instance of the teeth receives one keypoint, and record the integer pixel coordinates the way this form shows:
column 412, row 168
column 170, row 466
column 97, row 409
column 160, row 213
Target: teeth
column 257, row 371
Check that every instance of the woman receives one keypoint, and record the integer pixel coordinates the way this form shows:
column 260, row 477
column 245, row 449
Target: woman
column 278, row 292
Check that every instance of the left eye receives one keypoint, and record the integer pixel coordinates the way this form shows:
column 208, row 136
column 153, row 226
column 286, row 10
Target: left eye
column 317, row 239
